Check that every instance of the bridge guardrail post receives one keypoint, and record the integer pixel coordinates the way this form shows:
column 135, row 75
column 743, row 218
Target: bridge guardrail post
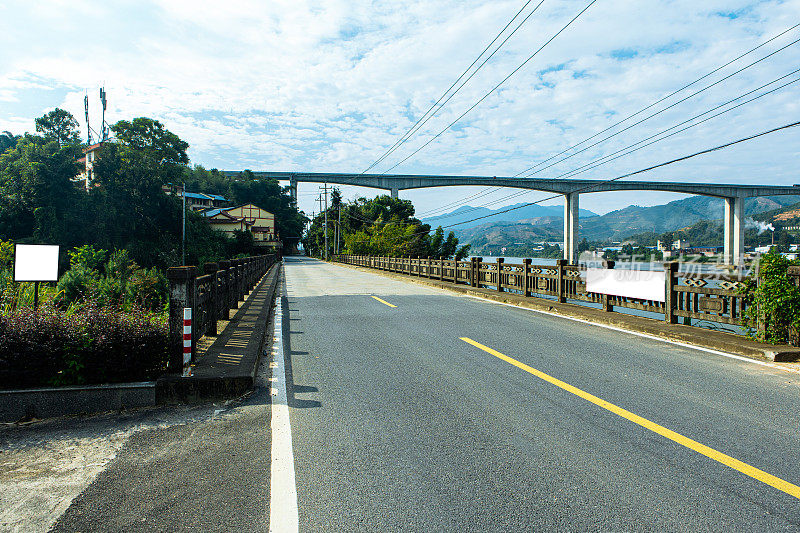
column 500, row 262
column 670, row 298
column 441, row 268
column 182, row 293
column 214, row 304
column 561, row 288
column 225, row 287
column 526, row 282
column 606, row 299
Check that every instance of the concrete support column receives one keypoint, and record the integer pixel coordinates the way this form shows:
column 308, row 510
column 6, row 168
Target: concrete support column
column 738, row 231
column 727, row 243
column 734, row 221
column 571, row 203
column 293, row 189
column 394, row 193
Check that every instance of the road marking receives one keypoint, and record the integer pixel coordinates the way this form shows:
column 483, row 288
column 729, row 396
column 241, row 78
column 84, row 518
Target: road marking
column 727, row 460
column 283, row 516
column 643, row 335
column 384, row 302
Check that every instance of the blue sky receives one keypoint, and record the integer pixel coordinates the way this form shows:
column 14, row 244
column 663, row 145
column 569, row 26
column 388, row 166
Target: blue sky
column 327, row 86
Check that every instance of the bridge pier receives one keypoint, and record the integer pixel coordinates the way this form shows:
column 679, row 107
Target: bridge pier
column 734, row 220
column 571, row 226
column 394, row 193
column 293, row 189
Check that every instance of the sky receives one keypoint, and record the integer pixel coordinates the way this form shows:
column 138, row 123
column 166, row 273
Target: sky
column 330, row 85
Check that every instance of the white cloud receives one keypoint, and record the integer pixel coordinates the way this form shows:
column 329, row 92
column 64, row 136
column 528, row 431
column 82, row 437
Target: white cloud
column 329, row 85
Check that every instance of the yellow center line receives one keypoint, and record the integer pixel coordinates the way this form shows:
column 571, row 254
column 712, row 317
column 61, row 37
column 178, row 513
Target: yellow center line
column 384, row 302
column 727, row 460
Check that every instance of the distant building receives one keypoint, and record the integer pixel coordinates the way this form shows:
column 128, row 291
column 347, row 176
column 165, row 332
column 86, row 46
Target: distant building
column 196, row 201
column 247, row 217
column 86, row 178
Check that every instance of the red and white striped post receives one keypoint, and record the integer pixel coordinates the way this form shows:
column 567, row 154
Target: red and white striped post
column 187, row 341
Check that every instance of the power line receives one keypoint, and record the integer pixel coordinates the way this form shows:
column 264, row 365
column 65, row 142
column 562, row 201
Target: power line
column 686, row 86
column 641, row 171
column 609, row 158
column 432, row 109
column 629, row 174
column 632, row 147
column 667, row 97
column 662, row 110
column 473, row 106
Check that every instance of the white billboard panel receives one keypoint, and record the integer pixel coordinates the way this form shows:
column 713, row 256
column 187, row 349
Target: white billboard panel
column 644, row 284
column 35, row 262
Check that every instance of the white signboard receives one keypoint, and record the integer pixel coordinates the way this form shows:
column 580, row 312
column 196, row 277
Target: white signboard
column 35, row 262
column 644, row 284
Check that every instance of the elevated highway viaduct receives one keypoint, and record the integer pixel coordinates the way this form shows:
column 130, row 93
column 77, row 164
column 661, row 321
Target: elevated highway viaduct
column 733, row 194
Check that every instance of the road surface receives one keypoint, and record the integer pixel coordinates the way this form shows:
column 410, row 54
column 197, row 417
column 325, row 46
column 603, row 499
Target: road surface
column 413, row 409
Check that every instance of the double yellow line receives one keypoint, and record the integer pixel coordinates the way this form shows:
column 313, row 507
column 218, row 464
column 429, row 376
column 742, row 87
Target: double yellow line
column 727, row 460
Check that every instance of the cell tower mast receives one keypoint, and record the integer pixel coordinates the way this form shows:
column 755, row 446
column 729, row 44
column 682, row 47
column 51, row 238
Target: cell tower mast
column 88, row 126
column 104, row 128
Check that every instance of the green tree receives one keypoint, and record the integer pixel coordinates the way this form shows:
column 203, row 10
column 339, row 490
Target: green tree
column 60, row 126
column 37, row 197
column 7, row 140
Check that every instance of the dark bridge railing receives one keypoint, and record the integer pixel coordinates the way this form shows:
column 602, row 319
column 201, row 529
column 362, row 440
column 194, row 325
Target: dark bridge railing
column 708, row 297
column 211, row 296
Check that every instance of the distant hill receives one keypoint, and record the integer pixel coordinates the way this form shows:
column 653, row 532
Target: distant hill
column 613, row 226
column 466, row 212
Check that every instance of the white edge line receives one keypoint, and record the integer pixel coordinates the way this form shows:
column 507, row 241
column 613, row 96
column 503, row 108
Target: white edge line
column 283, row 514
column 644, row 335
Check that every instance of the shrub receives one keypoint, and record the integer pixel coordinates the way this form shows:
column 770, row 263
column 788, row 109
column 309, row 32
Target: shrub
column 773, row 299
column 92, row 345
column 78, row 283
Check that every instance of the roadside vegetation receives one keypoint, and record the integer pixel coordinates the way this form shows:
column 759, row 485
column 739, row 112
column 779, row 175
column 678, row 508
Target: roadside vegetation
column 105, row 320
column 773, row 298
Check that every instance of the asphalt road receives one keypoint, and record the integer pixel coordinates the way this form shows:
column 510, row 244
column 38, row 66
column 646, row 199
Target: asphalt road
column 398, row 424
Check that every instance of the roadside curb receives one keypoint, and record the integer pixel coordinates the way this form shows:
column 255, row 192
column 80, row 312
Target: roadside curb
column 51, row 402
column 707, row 339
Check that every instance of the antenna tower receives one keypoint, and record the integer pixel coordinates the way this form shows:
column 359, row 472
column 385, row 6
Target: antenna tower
column 88, row 125
column 104, row 127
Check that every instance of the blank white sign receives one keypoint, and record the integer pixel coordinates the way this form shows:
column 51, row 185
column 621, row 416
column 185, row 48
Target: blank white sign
column 644, row 284
column 35, row 262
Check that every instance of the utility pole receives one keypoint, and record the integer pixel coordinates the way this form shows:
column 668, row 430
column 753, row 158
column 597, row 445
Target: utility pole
column 326, row 221
column 339, row 229
column 183, row 226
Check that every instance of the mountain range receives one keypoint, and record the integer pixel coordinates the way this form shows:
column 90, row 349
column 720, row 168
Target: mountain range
column 545, row 223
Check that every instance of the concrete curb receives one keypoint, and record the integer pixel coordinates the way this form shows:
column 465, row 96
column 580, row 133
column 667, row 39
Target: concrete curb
column 708, row 339
column 17, row 405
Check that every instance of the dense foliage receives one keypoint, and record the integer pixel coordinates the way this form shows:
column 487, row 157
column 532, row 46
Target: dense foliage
column 378, row 226
column 773, row 300
column 126, row 207
column 91, row 345
column 105, row 319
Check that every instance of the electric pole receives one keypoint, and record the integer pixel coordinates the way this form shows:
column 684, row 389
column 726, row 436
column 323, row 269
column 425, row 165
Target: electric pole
column 183, row 226
column 326, row 221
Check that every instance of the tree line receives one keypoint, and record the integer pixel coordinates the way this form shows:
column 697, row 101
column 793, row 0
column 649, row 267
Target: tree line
column 378, row 226
column 125, row 208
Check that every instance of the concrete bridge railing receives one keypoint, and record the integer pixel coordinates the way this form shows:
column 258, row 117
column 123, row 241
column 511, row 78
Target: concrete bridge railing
column 211, row 293
column 689, row 297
